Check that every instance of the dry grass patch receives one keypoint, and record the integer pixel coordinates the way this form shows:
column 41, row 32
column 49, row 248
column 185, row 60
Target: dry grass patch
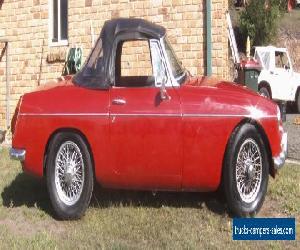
column 132, row 220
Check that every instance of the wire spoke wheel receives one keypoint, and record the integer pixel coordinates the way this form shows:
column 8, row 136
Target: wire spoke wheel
column 69, row 173
column 246, row 171
column 249, row 170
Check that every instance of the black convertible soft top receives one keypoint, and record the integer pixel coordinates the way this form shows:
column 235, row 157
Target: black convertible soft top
column 113, row 27
column 113, row 32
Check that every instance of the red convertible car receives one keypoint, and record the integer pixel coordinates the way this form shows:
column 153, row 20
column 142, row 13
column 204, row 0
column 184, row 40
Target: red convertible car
column 164, row 131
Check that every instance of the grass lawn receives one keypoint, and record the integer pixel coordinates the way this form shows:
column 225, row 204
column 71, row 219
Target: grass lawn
column 128, row 219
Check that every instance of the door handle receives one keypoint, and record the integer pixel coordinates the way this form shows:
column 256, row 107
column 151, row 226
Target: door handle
column 118, row 101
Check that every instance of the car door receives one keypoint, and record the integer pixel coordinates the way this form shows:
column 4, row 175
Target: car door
column 281, row 77
column 145, row 131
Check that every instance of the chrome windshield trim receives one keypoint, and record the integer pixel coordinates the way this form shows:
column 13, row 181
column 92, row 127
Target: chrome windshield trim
column 174, row 83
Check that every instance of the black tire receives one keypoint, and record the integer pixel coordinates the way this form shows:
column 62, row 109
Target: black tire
column 238, row 205
column 298, row 102
column 263, row 91
column 76, row 209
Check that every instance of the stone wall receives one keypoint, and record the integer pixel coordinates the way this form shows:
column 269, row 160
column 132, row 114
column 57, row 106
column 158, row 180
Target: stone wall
column 25, row 23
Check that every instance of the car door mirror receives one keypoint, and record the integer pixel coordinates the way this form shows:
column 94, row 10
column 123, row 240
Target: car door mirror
column 286, row 67
column 159, row 69
column 163, row 91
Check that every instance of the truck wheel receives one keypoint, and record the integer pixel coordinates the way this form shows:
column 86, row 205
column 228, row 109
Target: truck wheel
column 245, row 173
column 298, row 102
column 263, row 91
column 69, row 175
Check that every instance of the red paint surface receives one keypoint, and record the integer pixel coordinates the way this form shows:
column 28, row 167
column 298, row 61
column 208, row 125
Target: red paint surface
column 147, row 143
column 291, row 5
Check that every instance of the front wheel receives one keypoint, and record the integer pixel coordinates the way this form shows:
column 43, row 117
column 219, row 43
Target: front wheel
column 69, row 175
column 263, row 91
column 298, row 102
column 245, row 173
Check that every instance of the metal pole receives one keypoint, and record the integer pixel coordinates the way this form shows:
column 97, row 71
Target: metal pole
column 7, row 90
column 208, row 39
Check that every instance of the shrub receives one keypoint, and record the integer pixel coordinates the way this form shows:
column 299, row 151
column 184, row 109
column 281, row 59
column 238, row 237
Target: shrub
column 259, row 21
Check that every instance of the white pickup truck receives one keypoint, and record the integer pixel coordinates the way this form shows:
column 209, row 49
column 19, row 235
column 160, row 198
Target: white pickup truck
column 277, row 79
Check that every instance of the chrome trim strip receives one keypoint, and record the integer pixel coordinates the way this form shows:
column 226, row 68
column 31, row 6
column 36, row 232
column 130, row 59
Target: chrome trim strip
column 212, row 115
column 143, row 114
column 225, row 115
column 192, row 115
column 64, row 114
column 17, row 154
column 137, row 114
column 177, row 115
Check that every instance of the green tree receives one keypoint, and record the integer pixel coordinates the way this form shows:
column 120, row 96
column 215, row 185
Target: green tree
column 259, row 21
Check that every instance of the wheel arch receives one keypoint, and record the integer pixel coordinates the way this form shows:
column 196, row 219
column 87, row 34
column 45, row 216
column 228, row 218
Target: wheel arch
column 264, row 137
column 266, row 85
column 72, row 130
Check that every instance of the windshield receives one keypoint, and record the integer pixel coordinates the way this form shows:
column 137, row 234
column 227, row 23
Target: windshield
column 93, row 69
column 263, row 57
column 176, row 68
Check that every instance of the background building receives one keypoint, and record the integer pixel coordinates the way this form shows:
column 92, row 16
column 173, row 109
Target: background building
column 39, row 32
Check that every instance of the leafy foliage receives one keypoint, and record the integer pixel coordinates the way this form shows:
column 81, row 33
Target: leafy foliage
column 259, row 20
column 282, row 4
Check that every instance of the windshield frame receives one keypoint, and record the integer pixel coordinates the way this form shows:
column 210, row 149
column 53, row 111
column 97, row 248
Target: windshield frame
column 94, row 80
column 179, row 77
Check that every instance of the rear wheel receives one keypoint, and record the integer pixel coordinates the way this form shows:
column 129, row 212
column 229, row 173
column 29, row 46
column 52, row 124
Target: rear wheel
column 245, row 174
column 69, row 175
column 298, row 102
column 263, row 91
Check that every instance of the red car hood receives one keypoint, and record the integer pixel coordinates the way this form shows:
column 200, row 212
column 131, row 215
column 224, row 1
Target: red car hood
column 219, row 84
column 211, row 95
column 62, row 81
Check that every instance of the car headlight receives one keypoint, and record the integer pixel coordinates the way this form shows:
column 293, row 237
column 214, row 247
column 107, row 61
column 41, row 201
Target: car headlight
column 278, row 114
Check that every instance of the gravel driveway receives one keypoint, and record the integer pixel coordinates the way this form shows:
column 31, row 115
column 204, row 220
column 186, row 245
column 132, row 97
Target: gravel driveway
column 293, row 136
